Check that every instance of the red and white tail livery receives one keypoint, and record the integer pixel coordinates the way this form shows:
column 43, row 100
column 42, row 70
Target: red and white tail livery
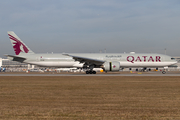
column 18, row 45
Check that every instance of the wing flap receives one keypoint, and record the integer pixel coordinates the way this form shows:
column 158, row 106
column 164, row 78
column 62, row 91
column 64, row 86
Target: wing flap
column 86, row 60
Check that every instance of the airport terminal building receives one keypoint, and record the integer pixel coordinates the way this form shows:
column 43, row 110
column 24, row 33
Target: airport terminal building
column 14, row 66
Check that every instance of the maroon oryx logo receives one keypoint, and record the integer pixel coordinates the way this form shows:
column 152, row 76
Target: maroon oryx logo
column 18, row 45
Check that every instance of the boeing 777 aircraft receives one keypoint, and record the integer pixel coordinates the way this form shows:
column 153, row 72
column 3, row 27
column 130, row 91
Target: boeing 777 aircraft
column 107, row 61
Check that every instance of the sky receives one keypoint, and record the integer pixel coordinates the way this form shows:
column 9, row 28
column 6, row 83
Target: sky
column 91, row 26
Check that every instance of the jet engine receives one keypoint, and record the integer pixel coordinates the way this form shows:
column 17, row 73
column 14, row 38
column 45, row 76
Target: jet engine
column 111, row 66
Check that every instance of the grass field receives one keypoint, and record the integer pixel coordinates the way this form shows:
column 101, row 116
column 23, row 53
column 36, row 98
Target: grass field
column 90, row 98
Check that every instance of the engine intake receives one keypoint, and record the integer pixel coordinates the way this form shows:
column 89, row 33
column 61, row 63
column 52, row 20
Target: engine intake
column 111, row 66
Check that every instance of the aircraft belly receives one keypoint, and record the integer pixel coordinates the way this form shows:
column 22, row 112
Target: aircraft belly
column 56, row 64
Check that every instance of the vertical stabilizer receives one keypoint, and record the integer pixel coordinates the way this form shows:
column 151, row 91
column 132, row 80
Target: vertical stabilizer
column 18, row 45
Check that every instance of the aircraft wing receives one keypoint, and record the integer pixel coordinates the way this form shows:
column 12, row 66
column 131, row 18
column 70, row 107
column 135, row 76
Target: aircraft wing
column 16, row 58
column 87, row 61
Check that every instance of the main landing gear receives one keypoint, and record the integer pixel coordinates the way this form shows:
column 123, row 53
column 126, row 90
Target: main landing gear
column 90, row 72
column 90, row 69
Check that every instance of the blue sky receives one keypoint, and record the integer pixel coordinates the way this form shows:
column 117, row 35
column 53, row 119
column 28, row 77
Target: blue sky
column 143, row 26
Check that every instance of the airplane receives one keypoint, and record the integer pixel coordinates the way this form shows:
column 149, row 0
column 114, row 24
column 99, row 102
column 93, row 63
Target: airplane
column 107, row 61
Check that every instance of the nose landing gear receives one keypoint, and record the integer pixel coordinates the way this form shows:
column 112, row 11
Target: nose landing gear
column 163, row 72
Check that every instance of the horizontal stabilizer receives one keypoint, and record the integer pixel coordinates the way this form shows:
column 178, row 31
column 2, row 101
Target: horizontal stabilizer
column 15, row 58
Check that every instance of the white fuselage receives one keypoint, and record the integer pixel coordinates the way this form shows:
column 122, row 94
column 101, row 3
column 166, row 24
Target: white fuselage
column 126, row 60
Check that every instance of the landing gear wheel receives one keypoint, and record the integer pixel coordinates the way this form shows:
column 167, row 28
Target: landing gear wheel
column 87, row 72
column 90, row 72
column 94, row 72
column 163, row 72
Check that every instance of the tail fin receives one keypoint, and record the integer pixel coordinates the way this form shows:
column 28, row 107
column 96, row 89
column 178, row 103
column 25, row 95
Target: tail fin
column 18, row 45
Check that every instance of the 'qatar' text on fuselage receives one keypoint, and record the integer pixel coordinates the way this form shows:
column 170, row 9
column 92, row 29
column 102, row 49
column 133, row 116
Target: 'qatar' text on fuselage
column 133, row 59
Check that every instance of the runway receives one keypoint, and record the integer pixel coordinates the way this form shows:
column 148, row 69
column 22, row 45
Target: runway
column 83, row 74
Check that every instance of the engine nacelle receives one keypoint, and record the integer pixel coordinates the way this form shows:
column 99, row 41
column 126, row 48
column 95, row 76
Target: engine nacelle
column 111, row 66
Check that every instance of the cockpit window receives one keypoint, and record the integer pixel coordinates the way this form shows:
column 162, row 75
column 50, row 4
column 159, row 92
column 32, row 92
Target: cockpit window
column 173, row 59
